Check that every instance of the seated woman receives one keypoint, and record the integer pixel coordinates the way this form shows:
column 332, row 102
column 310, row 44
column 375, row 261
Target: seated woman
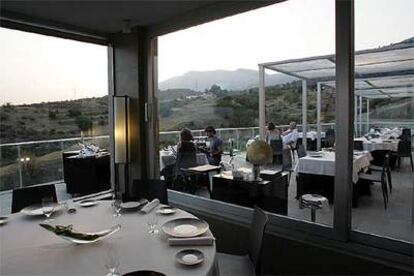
column 186, row 151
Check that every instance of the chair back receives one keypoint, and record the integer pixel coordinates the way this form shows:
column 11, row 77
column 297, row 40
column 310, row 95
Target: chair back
column 358, row 145
column 287, row 160
column 301, row 151
column 277, row 146
column 385, row 167
column 186, row 156
column 257, row 231
column 406, row 134
column 330, row 137
column 27, row 196
column 150, row 189
column 404, row 148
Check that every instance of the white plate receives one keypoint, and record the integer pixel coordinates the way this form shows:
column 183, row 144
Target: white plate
column 37, row 209
column 88, row 203
column 3, row 220
column 185, row 227
column 166, row 210
column 189, row 257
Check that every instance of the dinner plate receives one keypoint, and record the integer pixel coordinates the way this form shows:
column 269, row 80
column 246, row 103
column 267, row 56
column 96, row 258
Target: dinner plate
column 3, row 220
column 189, row 257
column 316, row 155
column 37, row 209
column 185, row 227
column 144, row 273
column 88, row 203
column 166, row 210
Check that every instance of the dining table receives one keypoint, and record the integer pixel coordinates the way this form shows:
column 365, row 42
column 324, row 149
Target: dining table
column 375, row 144
column 28, row 249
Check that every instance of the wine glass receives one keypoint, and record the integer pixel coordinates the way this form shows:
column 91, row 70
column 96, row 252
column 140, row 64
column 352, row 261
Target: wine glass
column 48, row 206
column 116, row 205
column 112, row 261
column 152, row 221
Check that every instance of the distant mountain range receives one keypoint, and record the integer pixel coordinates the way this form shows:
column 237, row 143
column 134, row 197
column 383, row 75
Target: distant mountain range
column 239, row 79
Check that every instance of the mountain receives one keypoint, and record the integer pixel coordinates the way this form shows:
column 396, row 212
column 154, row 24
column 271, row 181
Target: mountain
column 239, row 79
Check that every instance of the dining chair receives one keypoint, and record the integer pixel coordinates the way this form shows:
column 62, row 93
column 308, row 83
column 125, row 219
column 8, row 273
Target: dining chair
column 149, row 189
column 27, row 196
column 404, row 150
column 379, row 178
column 301, row 151
column 358, row 145
column 330, row 137
column 251, row 263
column 387, row 171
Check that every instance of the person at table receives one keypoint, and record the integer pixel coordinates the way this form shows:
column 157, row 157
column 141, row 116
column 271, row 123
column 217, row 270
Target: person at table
column 290, row 136
column 215, row 149
column 272, row 133
column 186, row 151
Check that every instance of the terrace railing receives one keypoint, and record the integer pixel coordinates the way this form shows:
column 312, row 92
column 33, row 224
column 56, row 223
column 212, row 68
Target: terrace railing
column 35, row 162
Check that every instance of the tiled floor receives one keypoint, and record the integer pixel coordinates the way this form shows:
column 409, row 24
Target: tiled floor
column 370, row 216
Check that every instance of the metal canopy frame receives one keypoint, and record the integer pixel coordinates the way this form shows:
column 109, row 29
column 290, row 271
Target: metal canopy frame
column 380, row 73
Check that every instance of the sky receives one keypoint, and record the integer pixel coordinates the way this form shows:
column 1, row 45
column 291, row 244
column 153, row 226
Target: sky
column 36, row 68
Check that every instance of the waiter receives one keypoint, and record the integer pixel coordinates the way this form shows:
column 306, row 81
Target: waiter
column 215, row 149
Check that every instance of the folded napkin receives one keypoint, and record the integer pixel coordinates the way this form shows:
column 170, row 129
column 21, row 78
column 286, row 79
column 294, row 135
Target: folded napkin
column 209, row 240
column 151, row 205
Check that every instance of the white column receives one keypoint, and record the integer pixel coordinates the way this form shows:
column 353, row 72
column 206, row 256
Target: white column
column 304, row 112
column 262, row 111
column 355, row 116
column 367, row 115
column 318, row 115
column 360, row 115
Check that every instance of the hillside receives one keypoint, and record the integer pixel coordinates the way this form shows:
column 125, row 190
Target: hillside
column 239, row 79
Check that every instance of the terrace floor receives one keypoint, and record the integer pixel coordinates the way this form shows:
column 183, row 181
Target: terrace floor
column 396, row 222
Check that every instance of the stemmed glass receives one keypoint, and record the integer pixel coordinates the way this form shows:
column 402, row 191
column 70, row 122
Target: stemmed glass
column 48, row 206
column 112, row 261
column 152, row 221
column 116, row 205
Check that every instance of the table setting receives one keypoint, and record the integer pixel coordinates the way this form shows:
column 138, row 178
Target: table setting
column 106, row 237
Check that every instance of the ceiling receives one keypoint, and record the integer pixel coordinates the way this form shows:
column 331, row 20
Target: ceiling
column 107, row 16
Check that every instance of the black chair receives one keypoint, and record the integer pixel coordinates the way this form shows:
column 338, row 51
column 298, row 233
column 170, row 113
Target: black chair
column 358, row 145
column 150, row 189
column 406, row 134
column 404, row 150
column 379, row 178
column 277, row 147
column 301, row 151
column 251, row 263
column 27, row 196
column 330, row 137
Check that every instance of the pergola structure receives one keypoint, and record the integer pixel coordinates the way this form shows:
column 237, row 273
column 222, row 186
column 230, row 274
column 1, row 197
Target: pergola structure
column 386, row 72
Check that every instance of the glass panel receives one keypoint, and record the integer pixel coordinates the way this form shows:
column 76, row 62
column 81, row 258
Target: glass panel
column 383, row 191
column 214, row 82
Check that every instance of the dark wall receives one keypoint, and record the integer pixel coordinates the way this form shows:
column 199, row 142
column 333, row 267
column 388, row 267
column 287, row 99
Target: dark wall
column 287, row 257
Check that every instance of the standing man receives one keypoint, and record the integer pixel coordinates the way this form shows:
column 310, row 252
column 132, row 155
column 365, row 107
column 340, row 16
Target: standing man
column 290, row 136
column 215, row 149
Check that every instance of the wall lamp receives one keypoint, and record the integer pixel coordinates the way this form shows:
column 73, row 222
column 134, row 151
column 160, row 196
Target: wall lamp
column 121, row 129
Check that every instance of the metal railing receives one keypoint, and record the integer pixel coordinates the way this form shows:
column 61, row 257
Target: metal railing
column 34, row 162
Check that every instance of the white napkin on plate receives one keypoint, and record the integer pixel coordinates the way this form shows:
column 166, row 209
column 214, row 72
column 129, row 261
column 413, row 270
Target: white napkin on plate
column 151, row 205
column 209, row 240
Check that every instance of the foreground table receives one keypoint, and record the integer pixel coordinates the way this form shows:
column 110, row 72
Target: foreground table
column 28, row 249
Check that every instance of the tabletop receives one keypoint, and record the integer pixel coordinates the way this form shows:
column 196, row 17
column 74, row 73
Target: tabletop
column 379, row 144
column 28, row 249
column 325, row 165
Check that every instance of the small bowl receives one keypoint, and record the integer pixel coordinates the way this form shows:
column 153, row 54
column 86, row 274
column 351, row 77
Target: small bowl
column 189, row 257
column 166, row 210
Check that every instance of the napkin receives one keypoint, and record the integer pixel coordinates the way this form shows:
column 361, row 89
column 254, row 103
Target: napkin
column 151, row 205
column 209, row 240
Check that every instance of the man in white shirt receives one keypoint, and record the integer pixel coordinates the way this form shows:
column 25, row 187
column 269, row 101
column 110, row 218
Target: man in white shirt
column 290, row 136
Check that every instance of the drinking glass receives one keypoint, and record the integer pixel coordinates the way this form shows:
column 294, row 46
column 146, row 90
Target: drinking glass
column 112, row 261
column 152, row 221
column 48, row 206
column 116, row 205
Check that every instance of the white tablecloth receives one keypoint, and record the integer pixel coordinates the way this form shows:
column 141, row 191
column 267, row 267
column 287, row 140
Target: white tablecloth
column 28, row 249
column 326, row 165
column 167, row 158
column 379, row 144
column 313, row 135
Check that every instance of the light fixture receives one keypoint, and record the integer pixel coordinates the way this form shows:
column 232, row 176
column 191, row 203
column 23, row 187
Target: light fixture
column 121, row 129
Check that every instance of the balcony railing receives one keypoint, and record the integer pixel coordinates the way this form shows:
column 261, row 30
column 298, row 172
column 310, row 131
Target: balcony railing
column 35, row 162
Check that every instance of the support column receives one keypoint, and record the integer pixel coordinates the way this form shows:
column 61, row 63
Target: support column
column 360, row 115
column 367, row 115
column 318, row 115
column 344, row 111
column 355, row 116
column 304, row 113
column 262, row 111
